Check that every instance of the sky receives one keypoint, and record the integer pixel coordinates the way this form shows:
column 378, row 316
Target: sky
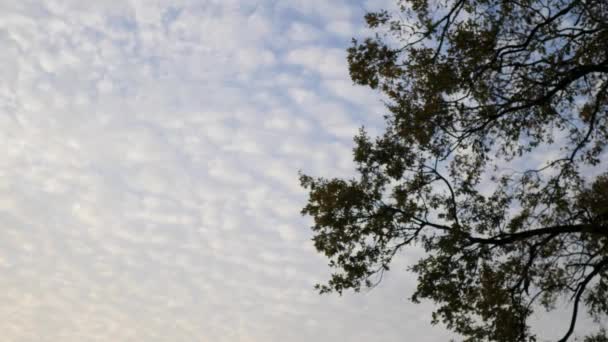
column 149, row 172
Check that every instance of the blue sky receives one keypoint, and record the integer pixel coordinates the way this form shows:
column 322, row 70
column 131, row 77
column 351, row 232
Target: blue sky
column 148, row 187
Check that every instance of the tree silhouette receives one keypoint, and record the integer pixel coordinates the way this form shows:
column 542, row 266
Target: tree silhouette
column 476, row 92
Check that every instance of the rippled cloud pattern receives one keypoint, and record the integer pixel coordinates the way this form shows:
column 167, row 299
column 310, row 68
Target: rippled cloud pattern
column 148, row 175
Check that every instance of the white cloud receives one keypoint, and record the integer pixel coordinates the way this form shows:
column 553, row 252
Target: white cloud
column 329, row 63
column 302, row 32
column 148, row 180
column 316, row 9
column 343, row 28
column 357, row 95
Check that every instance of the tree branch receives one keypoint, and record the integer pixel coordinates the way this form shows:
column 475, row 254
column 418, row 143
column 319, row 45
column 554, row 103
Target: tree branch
column 503, row 239
column 581, row 288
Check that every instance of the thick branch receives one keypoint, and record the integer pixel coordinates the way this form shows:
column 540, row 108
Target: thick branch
column 504, row 239
column 581, row 288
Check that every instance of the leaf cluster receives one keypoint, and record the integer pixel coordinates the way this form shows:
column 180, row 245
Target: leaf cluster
column 474, row 87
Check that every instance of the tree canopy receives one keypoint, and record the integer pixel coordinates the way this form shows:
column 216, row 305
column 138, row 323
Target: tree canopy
column 496, row 125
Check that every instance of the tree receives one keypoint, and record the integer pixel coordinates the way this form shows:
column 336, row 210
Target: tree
column 474, row 89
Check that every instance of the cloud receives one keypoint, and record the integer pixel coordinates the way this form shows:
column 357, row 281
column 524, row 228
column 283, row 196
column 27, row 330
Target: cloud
column 343, row 28
column 149, row 181
column 302, row 32
column 328, row 63
column 318, row 9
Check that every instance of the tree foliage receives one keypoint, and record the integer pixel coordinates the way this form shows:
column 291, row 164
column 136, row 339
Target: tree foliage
column 496, row 124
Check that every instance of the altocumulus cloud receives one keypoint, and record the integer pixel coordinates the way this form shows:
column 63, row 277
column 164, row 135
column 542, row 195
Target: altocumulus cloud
column 148, row 175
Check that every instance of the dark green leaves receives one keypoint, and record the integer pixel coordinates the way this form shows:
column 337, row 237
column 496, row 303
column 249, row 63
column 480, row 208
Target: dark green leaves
column 475, row 90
